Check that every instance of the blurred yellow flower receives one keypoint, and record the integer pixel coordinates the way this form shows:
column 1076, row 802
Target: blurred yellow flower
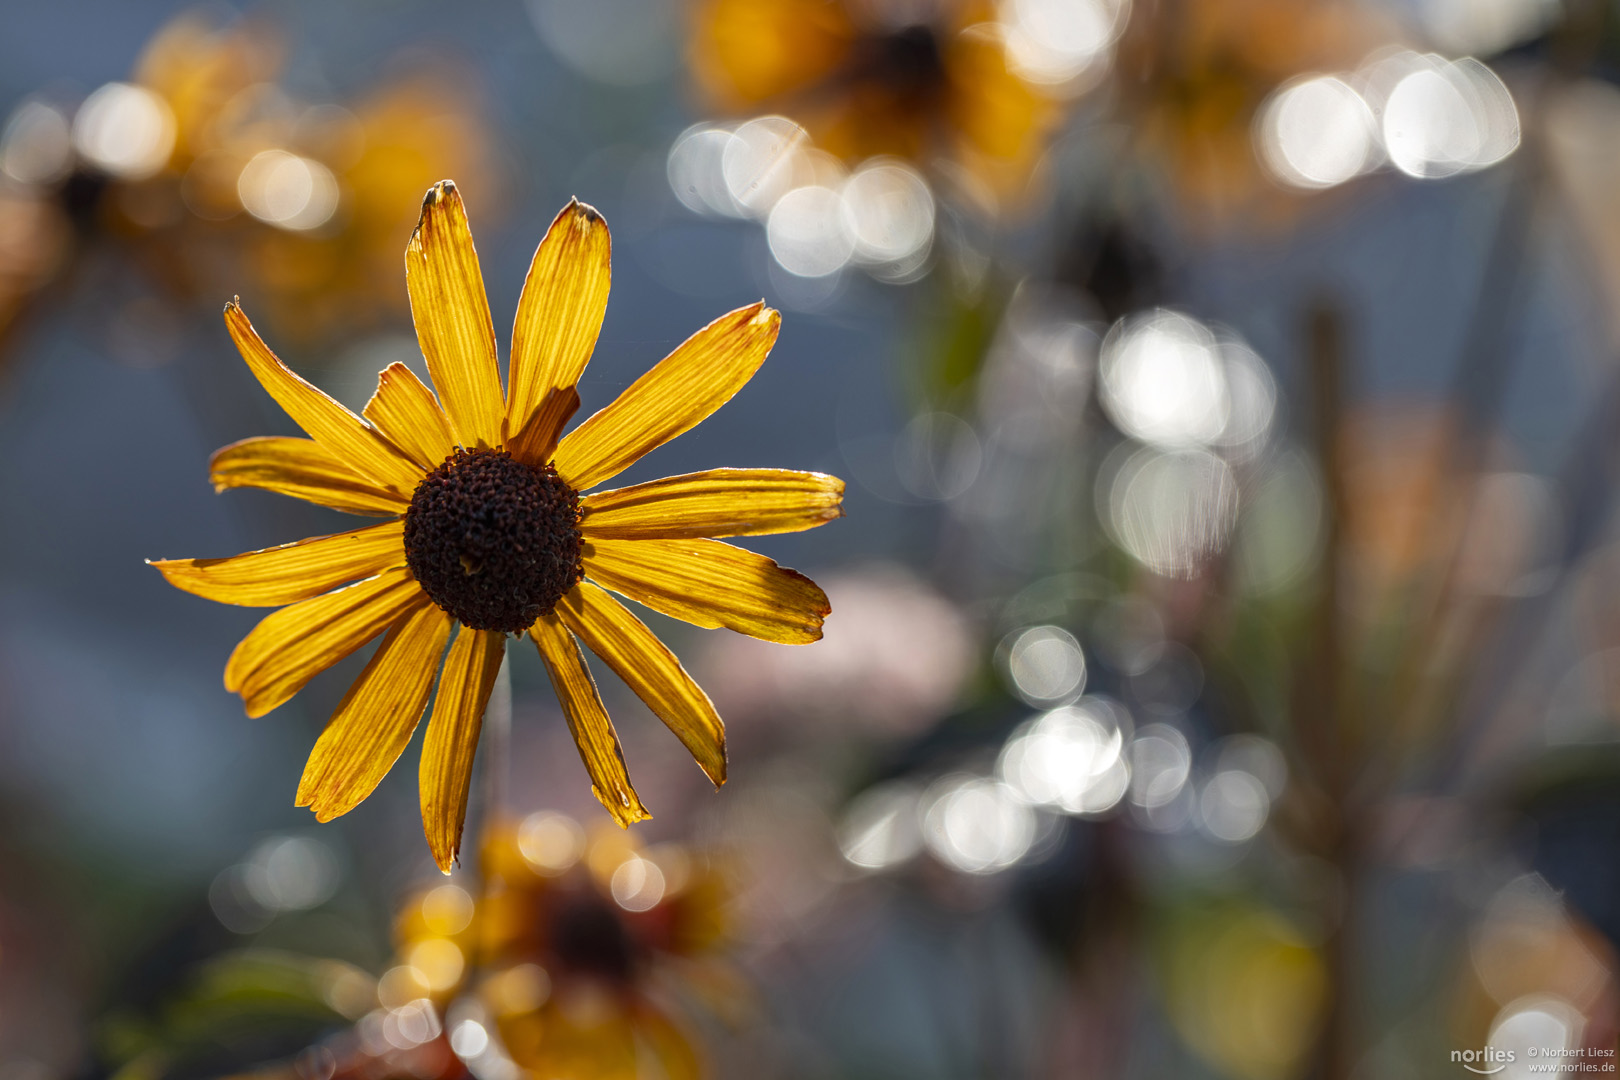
column 322, row 192
column 199, row 69
column 120, row 170
column 203, row 165
column 580, row 935
column 394, row 144
column 488, row 528
column 201, row 102
column 1529, row 953
column 1243, row 989
column 1192, row 79
column 921, row 82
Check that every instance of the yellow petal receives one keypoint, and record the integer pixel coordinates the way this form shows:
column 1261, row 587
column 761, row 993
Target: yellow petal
column 291, row 646
column 558, row 318
column 676, row 1056
column 719, row 502
column 588, row 720
column 993, row 110
column 375, row 720
column 712, row 584
column 742, row 52
column 637, row 656
column 291, row 572
column 348, row 438
column 681, row 389
column 305, row 470
column 405, row 410
column 532, row 444
column 452, row 317
column 452, row 738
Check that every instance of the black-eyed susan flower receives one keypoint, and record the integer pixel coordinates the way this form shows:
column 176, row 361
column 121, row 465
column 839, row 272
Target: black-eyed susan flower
column 1192, row 84
column 590, row 942
column 342, row 278
column 490, row 533
column 582, row 954
column 204, row 160
column 918, row 81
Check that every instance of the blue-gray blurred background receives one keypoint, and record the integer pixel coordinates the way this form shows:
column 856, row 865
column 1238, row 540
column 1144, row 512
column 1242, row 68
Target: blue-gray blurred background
column 1222, row 674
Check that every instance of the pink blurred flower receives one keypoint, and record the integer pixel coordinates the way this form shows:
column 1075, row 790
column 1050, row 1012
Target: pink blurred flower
column 894, row 657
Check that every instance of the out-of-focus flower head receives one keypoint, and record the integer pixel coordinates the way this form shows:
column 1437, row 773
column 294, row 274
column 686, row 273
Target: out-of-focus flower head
column 892, row 662
column 200, row 102
column 1535, row 973
column 204, row 166
column 399, row 139
column 327, row 192
column 115, row 162
column 198, row 68
column 1193, row 77
column 1243, row 988
column 936, row 82
column 578, row 952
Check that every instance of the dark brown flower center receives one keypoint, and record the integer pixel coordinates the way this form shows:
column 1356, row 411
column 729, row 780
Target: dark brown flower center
column 909, row 60
column 590, row 938
column 493, row 541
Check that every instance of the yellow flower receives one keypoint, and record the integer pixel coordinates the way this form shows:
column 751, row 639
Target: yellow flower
column 343, row 280
column 582, row 941
column 327, row 269
column 1192, row 82
column 915, row 81
column 488, row 528
column 583, row 954
column 200, row 69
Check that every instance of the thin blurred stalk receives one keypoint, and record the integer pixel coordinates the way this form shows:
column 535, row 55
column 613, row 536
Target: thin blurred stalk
column 1434, row 660
column 495, row 744
column 1431, row 679
column 1590, row 483
column 1483, row 371
column 1319, row 721
column 1588, row 477
column 1323, row 717
column 1333, row 726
